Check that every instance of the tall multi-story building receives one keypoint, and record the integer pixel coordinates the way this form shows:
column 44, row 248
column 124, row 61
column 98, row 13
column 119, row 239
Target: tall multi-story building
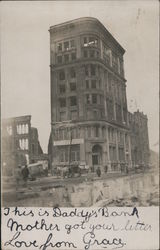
column 20, row 144
column 89, row 115
column 140, row 151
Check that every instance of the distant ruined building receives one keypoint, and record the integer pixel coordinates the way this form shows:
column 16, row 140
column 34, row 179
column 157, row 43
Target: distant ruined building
column 20, row 144
column 90, row 122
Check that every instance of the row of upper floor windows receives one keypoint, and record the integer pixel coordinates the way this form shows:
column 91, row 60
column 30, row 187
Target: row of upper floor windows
column 72, row 56
column 109, row 56
column 23, row 144
column 66, row 58
column 111, row 84
column 94, row 99
column 70, row 115
column 21, row 129
column 71, row 44
column 63, row 101
column 89, row 71
column 95, row 131
column 116, row 113
column 66, row 45
column 72, row 87
column 117, row 90
column 89, row 84
column 62, row 74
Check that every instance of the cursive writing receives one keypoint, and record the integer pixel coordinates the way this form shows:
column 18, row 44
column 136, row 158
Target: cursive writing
column 89, row 240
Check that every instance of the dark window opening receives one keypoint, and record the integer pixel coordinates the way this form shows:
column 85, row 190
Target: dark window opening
column 93, row 84
column 62, row 88
column 72, row 86
column 73, row 100
column 66, row 45
column 95, row 113
column 60, row 47
column 93, row 70
column 94, row 98
column 61, row 75
column 73, row 56
column 86, row 71
column 59, row 59
column 72, row 43
column 91, row 53
column 72, row 73
column 66, row 58
column 33, row 149
column 85, row 53
column 62, row 102
column 87, row 84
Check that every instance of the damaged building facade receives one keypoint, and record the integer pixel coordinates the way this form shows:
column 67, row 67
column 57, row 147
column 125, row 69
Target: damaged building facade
column 20, row 144
column 89, row 115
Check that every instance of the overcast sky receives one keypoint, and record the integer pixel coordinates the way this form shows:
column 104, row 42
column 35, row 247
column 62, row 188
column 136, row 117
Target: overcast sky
column 25, row 58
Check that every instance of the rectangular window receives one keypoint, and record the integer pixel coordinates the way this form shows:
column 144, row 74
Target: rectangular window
column 66, row 155
column 86, row 71
column 72, row 73
column 72, row 86
column 66, row 45
column 73, row 156
column 62, row 102
column 61, row 156
column 88, row 99
column 85, row 53
column 94, row 98
column 73, row 56
column 101, row 99
column 59, row 59
column 62, row 116
column 73, row 100
column 93, row 41
column 61, row 75
column 85, row 41
column 96, row 131
column 89, row 132
column 75, row 153
column 91, row 53
column 66, row 58
column 87, row 84
column 73, row 115
column 93, row 84
column 97, row 54
column 72, row 43
column 33, row 149
column 93, row 70
column 59, row 47
column 95, row 113
column 62, row 89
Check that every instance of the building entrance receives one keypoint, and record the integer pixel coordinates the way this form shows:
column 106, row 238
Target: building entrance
column 96, row 155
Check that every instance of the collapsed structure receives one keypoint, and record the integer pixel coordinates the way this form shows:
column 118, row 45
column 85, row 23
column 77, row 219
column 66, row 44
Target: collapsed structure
column 90, row 122
column 20, row 144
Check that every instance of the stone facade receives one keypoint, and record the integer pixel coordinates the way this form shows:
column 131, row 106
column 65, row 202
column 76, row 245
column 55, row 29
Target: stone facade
column 139, row 138
column 20, row 144
column 89, row 115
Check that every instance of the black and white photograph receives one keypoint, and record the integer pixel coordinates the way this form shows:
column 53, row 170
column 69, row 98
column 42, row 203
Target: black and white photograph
column 79, row 103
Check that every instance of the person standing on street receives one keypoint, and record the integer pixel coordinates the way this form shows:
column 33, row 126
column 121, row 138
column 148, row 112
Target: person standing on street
column 98, row 172
column 18, row 176
column 25, row 174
